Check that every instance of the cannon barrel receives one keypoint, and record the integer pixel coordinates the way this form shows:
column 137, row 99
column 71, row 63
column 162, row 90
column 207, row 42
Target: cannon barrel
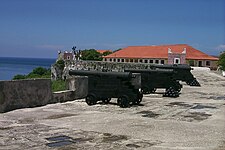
column 99, row 73
column 149, row 71
column 183, row 72
column 171, row 66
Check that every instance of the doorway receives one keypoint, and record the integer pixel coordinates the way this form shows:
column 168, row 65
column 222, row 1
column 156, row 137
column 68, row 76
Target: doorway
column 200, row 63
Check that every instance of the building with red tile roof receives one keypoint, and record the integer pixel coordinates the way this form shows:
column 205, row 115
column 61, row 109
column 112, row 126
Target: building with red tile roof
column 102, row 51
column 163, row 54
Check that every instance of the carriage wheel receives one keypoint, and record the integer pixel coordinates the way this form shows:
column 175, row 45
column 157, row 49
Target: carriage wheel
column 91, row 100
column 123, row 101
column 145, row 90
column 139, row 99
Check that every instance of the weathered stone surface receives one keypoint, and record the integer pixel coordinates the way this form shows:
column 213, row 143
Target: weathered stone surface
column 37, row 92
column 195, row 120
column 24, row 93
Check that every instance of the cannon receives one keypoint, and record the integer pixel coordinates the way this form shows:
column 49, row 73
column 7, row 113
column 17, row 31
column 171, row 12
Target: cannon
column 183, row 72
column 102, row 86
column 153, row 79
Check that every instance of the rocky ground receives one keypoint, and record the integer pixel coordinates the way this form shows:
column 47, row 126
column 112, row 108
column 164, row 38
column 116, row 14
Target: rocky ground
column 194, row 120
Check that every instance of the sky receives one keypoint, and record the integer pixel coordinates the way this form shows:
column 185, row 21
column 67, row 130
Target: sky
column 39, row 28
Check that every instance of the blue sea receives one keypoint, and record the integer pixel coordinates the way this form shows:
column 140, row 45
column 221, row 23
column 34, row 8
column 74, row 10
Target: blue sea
column 11, row 66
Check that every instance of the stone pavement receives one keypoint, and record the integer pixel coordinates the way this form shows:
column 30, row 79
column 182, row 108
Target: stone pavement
column 195, row 120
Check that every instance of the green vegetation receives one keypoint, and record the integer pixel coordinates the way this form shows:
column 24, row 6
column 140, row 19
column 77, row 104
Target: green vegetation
column 39, row 72
column 91, row 54
column 221, row 61
column 106, row 53
column 58, row 85
column 19, row 77
column 191, row 62
column 117, row 49
column 60, row 64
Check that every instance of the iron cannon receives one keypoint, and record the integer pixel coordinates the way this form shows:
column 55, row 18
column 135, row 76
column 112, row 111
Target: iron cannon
column 102, row 86
column 183, row 72
column 154, row 79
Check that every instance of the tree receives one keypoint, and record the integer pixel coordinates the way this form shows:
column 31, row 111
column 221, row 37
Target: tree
column 91, row 54
column 60, row 64
column 39, row 71
column 221, row 61
column 106, row 53
column 117, row 50
column 19, row 77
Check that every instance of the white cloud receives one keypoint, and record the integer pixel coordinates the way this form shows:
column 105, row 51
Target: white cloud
column 221, row 47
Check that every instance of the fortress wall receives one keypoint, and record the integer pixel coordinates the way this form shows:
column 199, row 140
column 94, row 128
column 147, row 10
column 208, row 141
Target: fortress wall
column 24, row 93
column 18, row 94
column 78, row 88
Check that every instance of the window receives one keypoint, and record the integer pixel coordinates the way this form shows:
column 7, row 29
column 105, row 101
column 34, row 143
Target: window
column 207, row 63
column 131, row 60
column 140, row 60
column 162, row 62
column 151, row 61
column 118, row 60
column 114, row 60
column 127, row 60
column 136, row 60
column 146, row 61
column 122, row 60
column 110, row 59
column 156, row 61
column 68, row 57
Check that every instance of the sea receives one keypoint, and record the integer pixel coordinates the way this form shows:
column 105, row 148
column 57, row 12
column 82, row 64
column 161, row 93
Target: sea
column 11, row 66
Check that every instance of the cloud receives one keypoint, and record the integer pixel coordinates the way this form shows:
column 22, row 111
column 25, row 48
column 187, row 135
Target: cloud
column 51, row 47
column 221, row 47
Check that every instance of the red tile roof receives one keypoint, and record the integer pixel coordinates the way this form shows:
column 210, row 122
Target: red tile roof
column 102, row 51
column 160, row 51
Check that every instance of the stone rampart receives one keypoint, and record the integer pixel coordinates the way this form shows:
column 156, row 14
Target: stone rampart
column 101, row 65
column 24, row 93
column 78, row 88
column 17, row 94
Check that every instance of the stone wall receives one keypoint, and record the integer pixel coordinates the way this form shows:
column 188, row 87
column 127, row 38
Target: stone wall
column 100, row 65
column 24, row 93
column 37, row 92
column 78, row 88
column 109, row 66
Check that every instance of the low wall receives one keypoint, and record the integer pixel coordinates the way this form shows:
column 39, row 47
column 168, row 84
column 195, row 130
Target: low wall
column 78, row 88
column 37, row 92
column 110, row 66
column 24, row 93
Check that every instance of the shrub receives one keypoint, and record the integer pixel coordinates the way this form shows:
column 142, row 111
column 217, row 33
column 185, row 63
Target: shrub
column 38, row 72
column 58, row 85
column 60, row 64
column 221, row 61
column 19, row 77
column 91, row 54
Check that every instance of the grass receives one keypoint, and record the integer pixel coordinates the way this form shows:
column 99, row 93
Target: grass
column 58, row 85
